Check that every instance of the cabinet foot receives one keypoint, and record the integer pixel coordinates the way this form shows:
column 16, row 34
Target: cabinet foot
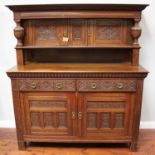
column 21, row 145
column 133, row 146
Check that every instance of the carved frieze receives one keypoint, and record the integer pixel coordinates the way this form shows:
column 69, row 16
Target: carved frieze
column 39, row 104
column 105, row 105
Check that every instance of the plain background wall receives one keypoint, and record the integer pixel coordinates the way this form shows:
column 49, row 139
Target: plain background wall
column 8, row 57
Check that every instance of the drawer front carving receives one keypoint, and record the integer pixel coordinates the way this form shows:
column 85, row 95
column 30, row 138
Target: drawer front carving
column 107, row 85
column 46, row 85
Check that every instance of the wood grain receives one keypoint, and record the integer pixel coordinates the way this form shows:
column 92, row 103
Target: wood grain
column 8, row 146
column 65, row 51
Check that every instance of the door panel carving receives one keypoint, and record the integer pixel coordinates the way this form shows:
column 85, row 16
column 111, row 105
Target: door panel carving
column 105, row 113
column 110, row 31
column 49, row 113
column 78, row 32
column 45, row 33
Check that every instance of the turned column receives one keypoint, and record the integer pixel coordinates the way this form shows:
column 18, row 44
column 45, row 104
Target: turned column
column 19, row 34
column 135, row 32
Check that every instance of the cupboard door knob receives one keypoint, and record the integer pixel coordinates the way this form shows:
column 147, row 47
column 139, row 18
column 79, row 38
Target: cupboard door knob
column 80, row 115
column 94, row 85
column 73, row 115
column 120, row 85
column 33, row 85
column 59, row 85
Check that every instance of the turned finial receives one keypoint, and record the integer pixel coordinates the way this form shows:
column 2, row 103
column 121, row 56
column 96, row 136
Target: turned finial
column 136, row 31
column 19, row 33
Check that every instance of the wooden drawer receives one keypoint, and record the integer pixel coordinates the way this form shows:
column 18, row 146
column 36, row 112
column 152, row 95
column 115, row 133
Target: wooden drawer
column 46, row 85
column 107, row 85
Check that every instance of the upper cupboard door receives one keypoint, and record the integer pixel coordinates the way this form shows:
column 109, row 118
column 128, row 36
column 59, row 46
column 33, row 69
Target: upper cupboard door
column 110, row 32
column 45, row 32
column 78, row 32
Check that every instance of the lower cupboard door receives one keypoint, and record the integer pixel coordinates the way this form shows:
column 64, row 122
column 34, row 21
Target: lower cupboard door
column 106, row 115
column 48, row 114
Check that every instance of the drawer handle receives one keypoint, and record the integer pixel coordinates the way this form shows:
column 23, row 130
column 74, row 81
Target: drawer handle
column 80, row 115
column 93, row 85
column 59, row 85
column 73, row 115
column 120, row 85
column 33, row 85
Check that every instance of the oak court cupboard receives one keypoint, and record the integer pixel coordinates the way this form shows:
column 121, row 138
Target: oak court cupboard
column 78, row 77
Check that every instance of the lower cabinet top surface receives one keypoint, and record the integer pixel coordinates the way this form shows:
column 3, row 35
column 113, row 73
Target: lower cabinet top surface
column 72, row 67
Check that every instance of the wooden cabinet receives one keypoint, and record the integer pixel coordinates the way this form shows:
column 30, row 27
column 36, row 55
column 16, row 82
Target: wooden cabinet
column 106, row 115
column 48, row 113
column 78, row 32
column 110, row 32
column 45, row 33
column 78, row 78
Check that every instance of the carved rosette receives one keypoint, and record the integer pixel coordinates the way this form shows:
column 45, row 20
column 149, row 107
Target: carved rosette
column 136, row 31
column 19, row 33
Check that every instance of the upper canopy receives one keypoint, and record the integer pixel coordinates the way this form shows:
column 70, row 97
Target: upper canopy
column 64, row 7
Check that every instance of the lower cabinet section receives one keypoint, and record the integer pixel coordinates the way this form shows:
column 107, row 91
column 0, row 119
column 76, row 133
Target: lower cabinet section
column 77, row 110
column 77, row 116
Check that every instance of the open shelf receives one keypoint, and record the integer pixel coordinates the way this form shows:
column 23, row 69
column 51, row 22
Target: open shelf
column 76, row 55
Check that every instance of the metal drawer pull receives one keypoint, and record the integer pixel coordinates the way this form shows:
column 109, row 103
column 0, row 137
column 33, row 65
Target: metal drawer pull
column 33, row 85
column 120, row 85
column 93, row 85
column 59, row 85
column 73, row 115
column 80, row 115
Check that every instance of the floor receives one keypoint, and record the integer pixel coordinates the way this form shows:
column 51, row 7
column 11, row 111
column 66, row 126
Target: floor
column 8, row 146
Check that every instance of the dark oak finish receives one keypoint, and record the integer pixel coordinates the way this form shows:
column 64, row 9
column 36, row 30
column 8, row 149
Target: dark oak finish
column 78, row 78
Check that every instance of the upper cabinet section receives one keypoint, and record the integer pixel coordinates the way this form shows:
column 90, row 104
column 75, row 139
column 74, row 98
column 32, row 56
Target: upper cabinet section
column 77, row 25
column 77, row 32
column 55, row 32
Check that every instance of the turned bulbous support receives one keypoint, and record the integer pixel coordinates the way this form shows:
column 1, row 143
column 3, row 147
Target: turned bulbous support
column 136, row 31
column 19, row 33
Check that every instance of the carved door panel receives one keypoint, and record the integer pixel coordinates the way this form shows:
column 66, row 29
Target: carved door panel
column 77, row 32
column 109, row 31
column 49, row 113
column 45, row 32
column 105, row 115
